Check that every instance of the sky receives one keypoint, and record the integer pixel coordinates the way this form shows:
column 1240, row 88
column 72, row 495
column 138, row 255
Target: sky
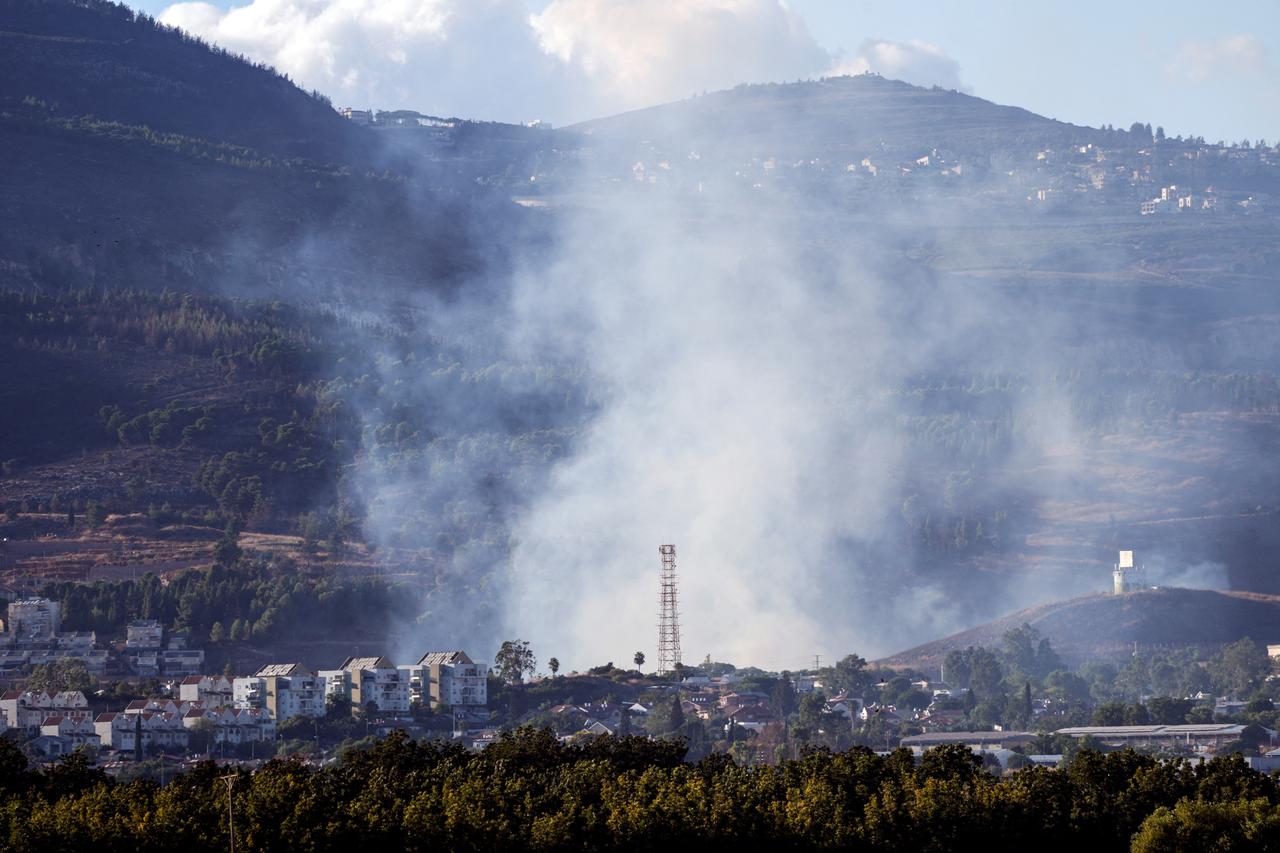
column 1210, row 70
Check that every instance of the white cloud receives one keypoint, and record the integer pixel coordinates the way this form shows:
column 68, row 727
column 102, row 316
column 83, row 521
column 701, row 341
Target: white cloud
column 491, row 59
column 477, row 58
column 914, row 61
column 639, row 53
column 1198, row 60
column 573, row 60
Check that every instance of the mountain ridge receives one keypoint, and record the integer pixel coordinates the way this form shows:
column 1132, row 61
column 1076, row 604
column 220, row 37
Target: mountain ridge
column 864, row 110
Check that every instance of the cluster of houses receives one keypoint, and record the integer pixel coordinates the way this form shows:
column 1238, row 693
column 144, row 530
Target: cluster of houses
column 32, row 636
column 205, row 712
column 1155, row 178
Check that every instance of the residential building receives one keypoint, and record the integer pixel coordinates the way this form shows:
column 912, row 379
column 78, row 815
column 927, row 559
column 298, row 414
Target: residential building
column 27, row 710
column 234, row 725
column 149, row 654
column 34, row 618
column 72, row 731
column 450, row 679
column 144, row 634
column 369, row 681
column 211, row 690
column 160, row 731
column 181, row 662
column 282, row 690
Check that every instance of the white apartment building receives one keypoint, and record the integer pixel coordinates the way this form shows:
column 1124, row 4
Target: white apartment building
column 283, row 690
column 370, row 680
column 144, row 634
column 449, row 679
column 211, row 690
column 34, row 618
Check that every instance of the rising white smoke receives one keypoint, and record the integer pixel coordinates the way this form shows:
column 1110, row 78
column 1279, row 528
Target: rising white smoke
column 742, row 419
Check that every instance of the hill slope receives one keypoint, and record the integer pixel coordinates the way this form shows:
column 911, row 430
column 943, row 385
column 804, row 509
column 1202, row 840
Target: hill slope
column 1103, row 624
column 97, row 58
column 154, row 160
column 841, row 114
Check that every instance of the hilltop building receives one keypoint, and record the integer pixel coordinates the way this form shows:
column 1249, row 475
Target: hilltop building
column 1127, row 577
column 357, row 116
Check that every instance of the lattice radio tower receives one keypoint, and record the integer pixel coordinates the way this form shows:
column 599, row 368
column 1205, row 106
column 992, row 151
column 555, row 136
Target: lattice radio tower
column 668, row 614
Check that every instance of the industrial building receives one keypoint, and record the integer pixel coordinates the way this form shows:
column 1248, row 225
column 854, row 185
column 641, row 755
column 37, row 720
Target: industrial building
column 1205, row 736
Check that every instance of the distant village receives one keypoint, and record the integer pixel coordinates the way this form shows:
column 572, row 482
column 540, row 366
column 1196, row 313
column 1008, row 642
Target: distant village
column 1142, row 171
column 289, row 708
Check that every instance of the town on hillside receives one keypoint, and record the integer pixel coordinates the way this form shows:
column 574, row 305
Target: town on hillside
column 143, row 704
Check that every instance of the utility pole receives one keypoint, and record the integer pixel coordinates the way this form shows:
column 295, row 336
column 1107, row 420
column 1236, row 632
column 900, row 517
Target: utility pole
column 668, row 613
column 230, row 779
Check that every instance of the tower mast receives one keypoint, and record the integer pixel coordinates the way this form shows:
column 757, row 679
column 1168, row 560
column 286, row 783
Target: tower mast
column 668, row 613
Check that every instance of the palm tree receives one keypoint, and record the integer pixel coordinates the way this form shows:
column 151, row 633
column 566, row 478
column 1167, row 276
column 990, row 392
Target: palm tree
column 639, row 659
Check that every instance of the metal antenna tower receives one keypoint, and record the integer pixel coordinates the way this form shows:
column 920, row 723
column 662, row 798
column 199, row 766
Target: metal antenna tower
column 668, row 614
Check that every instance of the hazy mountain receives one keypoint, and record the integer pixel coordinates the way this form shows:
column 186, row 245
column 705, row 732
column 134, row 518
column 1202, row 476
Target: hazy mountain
column 874, row 271
column 841, row 116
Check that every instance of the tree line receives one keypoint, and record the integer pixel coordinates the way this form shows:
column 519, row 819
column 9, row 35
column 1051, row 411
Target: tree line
column 530, row 792
column 253, row 601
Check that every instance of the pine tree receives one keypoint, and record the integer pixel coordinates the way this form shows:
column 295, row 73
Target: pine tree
column 677, row 715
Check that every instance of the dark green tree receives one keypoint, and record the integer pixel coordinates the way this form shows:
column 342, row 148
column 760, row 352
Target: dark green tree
column 514, row 660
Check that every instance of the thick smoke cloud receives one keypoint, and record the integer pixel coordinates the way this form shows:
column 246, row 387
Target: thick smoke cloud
column 742, row 373
column 914, row 61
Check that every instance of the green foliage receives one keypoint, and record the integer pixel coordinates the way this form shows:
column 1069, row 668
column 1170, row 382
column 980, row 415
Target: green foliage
column 62, row 674
column 530, row 792
column 257, row 599
column 514, row 660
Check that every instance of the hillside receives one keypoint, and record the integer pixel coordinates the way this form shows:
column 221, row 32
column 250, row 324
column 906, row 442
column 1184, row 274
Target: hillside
column 1055, row 370
column 153, row 160
column 1104, row 625
column 96, row 58
column 840, row 116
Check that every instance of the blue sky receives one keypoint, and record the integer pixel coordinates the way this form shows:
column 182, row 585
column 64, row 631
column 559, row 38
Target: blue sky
column 1087, row 62
column 1195, row 68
